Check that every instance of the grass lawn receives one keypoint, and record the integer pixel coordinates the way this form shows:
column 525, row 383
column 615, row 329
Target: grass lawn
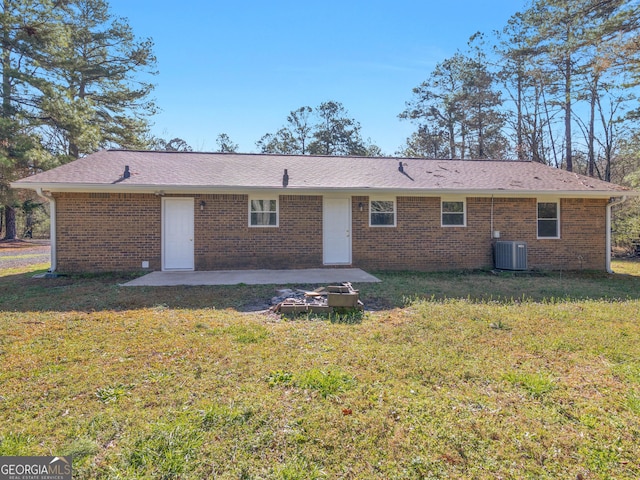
column 454, row 375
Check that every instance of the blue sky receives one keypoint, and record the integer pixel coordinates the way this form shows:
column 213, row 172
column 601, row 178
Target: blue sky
column 239, row 67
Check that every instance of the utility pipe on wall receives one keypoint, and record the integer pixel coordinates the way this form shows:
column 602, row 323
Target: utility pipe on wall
column 491, row 233
column 52, row 222
column 612, row 203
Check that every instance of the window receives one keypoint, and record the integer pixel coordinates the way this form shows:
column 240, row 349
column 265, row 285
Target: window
column 263, row 213
column 548, row 220
column 382, row 213
column 453, row 213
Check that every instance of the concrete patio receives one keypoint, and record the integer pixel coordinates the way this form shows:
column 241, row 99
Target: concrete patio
column 254, row 277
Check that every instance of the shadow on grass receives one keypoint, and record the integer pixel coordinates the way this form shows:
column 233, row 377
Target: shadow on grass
column 400, row 288
column 98, row 292
column 23, row 293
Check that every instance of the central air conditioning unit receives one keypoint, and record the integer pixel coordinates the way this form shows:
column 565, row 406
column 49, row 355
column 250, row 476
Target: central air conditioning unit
column 511, row 255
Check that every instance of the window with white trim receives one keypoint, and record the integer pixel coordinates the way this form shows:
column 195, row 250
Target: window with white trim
column 454, row 213
column 549, row 219
column 382, row 213
column 263, row 212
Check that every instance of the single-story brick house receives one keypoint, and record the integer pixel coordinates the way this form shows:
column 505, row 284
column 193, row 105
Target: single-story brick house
column 121, row 210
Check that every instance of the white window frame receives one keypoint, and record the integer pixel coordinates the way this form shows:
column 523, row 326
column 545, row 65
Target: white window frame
column 462, row 200
column 557, row 219
column 395, row 211
column 267, row 199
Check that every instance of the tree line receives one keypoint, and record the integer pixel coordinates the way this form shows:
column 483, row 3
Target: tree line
column 556, row 85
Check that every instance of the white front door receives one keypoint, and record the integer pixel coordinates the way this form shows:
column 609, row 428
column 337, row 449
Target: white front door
column 177, row 234
column 336, row 230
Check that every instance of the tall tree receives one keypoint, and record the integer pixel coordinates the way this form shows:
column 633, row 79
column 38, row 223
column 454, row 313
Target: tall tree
column 293, row 138
column 563, row 32
column 436, row 103
column 482, row 102
column 225, row 144
column 27, row 28
column 281, row 142
column 426, row 143
column 336, row 133
column 326, row 130
column 300, row 129
column 70, row 85
column 520, row 77
column 459, row 101
column 604, row 81
column 96, row 96
column 512, row 73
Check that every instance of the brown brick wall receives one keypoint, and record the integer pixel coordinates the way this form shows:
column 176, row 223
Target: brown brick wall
column 109, row 232
column 582, row 233
column 224, row 239
column 116, row 232
column 418, row 242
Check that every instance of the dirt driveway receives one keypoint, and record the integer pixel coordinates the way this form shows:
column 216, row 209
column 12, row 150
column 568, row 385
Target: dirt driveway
column 23, row 253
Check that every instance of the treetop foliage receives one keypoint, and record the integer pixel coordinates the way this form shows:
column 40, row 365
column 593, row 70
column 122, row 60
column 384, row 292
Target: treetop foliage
column 325, row 130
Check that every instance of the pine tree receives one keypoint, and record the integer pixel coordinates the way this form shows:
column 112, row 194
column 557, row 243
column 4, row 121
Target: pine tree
column 70, row 85
column 336, row 133
column 225, row 144
column 95, row 98
column 27, row 28
column 293, row 138
column 564, row 33
column 326, row 130
column 458, row 102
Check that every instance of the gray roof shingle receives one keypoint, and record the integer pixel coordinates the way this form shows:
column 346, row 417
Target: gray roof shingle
column 229, row 171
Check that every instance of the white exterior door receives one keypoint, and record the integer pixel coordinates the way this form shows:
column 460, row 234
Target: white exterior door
column 336, row 230
column 177, row 234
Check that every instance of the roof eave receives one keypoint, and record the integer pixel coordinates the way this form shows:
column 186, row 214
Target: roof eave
column 228, row 189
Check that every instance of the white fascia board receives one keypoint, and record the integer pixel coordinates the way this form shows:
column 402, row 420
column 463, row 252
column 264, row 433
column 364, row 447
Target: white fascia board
column 292, row 190
column 451, row 193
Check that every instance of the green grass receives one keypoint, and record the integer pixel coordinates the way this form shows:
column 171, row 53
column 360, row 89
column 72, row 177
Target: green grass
column 326, row 383
column 457, row 375
column 536, row 384
column 112, row 393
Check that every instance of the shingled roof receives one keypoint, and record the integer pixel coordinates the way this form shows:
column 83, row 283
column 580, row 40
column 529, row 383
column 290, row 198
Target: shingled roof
column 230, row 172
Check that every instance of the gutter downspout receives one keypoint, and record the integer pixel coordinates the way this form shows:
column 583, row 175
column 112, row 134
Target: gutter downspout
column 52, row 221
column 612, row 203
